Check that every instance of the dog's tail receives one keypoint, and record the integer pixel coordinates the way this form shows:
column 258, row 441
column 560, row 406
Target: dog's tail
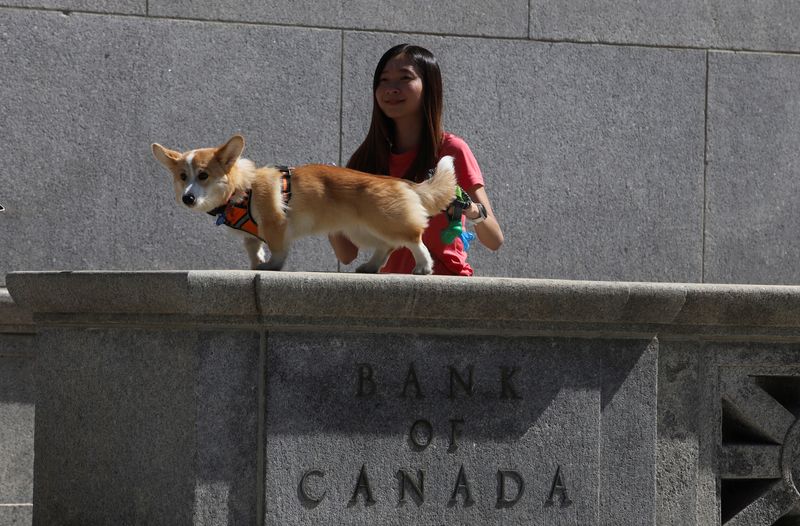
column 439, row 191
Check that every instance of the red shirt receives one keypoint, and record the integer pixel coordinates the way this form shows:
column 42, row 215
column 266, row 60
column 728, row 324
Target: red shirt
column 447, row 259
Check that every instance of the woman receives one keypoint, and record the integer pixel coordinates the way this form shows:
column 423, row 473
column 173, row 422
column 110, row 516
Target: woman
column 406, row 139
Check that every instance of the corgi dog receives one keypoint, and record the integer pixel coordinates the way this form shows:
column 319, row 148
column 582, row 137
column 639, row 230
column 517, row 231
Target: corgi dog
column 276, row 205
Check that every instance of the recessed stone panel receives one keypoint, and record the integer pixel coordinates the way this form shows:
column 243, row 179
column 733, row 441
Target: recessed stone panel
column 172, row 424
column 402, row 429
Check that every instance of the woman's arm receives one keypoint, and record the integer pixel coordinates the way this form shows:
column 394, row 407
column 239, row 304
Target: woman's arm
column 344, row 249
column 488, row 231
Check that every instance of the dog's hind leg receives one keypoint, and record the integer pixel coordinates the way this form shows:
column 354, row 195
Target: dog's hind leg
column 255, row 249
column 377, row 260
column 422, row 257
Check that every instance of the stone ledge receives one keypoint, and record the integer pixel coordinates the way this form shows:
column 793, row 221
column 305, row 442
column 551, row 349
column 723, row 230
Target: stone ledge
column 304, row 299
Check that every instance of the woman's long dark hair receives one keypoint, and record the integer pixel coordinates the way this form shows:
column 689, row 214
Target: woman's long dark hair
column 373, row 154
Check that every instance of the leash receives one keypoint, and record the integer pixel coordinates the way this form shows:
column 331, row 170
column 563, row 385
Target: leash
column 454, row 227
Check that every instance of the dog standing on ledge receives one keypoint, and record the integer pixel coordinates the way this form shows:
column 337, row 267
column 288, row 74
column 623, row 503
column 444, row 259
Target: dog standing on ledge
column 277, row 205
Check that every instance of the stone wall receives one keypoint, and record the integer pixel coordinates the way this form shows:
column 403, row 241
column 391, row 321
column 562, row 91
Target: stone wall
column 626, row 140
column 211, row 398
column 620, row 140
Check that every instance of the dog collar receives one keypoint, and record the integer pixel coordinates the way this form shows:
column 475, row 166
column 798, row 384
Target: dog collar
column 286, row 191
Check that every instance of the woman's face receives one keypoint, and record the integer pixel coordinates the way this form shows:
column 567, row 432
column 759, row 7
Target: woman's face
column 399, row 91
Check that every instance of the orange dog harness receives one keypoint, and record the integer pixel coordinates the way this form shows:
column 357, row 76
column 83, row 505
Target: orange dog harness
column 236, row 212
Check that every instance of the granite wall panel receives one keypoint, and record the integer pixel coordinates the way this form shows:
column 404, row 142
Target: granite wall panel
column 83, row 97
column 592, row 155
column 768, row 25
column 753, row 206
column 494, row 18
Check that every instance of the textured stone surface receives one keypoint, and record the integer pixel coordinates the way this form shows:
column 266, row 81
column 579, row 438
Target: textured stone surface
column 160, row 424
column 571, row 409
column 16, row 515
column 463, row 17
column 683, row 404
column 728, row 433
column 592, row 155
column 17, row 397
column 377, row 302
column 128, row 7
column 758, row 433
column 80, row 110
column 753, row 195
column 224, row 293
column 628, row 443
column 738, row 24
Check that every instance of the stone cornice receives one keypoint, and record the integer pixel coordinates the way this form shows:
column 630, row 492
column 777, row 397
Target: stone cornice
column 348, row 301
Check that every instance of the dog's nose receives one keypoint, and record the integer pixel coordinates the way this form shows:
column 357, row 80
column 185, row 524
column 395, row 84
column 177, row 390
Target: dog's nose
column 188, row 199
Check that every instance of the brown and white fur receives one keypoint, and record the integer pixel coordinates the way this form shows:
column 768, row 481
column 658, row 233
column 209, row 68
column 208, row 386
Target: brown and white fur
column 374, row 212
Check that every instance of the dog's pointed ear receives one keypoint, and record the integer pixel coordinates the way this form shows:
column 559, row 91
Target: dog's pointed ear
column 229, row 153
column 166, row 157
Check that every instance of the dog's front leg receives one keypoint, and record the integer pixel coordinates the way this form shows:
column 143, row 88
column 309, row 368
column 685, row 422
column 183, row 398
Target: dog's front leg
column 422, row 257
column 377, row 260
column 278, row 244
column 255, row 250
column 275, row 262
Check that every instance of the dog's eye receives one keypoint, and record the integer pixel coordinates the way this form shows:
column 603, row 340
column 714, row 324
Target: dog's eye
column 183, row 176
column 202, row 176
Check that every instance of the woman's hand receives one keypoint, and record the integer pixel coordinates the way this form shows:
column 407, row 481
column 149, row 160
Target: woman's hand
column 488, row 231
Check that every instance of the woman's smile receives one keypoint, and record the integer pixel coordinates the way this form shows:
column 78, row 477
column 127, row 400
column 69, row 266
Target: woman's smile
column 399, row 90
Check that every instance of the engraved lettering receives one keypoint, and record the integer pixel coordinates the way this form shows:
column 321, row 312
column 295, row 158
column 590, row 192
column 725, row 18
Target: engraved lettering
column 411, row 380
column 559, row 488
column 455, row 377
column 455, row 431
column 417, row 487
column 303, row 488
column 502, row 499
column 421, row 434
column 462, row 486
column 366, row 383
column 362, row 485
column 507, row 388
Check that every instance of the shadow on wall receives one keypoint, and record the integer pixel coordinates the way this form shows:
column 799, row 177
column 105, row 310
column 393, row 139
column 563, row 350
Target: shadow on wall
column 16, row 369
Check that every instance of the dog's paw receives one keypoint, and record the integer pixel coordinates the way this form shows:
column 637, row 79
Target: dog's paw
column 258, row 264
column 422, row 271
column 269, row 266
column 366, row 268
